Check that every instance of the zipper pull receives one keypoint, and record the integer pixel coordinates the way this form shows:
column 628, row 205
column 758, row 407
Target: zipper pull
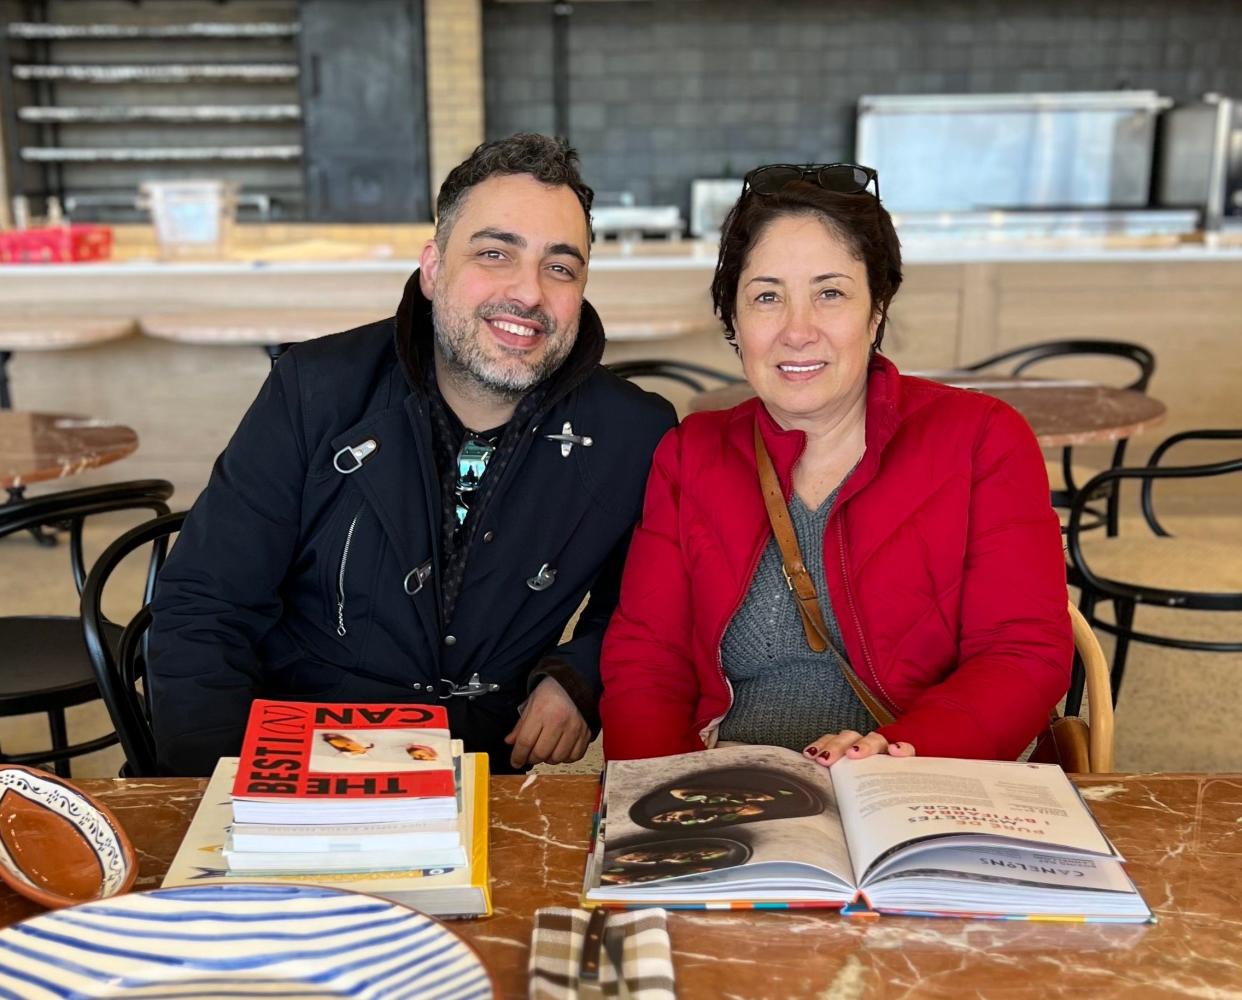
column 359, row 453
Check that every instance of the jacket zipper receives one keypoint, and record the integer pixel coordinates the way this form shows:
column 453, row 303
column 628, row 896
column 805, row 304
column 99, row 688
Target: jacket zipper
column 340, row 577
column 862, row 638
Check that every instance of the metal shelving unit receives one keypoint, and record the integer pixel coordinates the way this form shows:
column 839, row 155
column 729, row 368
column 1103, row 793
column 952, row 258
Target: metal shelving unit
column 94, row 108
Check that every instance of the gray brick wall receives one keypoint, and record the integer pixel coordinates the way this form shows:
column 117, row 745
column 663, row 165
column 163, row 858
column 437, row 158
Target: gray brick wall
column 665, row 91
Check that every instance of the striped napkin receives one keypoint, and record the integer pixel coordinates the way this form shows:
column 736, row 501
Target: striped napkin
column 556, row 953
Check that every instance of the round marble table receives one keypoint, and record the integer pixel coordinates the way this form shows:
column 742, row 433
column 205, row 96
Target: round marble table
column 35, row 447
column 253, row 327
column 53, row 333
column 630, row 324
column 1061, row 412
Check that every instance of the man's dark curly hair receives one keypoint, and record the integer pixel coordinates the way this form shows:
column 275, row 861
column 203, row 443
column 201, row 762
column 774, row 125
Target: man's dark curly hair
column 551, row 161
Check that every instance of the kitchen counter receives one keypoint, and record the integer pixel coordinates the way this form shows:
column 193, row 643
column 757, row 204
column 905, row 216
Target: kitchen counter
column 959, row 301
column 388, row 250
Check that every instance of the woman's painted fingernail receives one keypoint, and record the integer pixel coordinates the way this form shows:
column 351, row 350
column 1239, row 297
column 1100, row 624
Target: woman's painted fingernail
column 812, row 750
column 855, row 748
column 826, row 754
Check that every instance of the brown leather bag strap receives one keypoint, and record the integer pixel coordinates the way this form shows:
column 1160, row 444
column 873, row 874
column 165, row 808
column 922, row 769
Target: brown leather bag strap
column 799, row 580
column 796, row 576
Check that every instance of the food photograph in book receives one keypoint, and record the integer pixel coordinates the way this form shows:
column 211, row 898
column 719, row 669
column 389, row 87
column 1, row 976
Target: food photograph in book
column 686, row 820
column 334, row 749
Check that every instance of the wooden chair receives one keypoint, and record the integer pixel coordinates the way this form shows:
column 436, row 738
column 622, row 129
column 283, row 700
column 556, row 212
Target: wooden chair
column 1090, row 659
column 1190, row 573
column 694, row 376
column 120, row 667
column 45, row 664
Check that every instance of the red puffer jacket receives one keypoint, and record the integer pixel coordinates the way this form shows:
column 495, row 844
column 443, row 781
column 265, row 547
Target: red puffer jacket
column 944, row 565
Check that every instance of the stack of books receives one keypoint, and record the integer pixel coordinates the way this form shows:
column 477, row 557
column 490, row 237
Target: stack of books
column 374, row 798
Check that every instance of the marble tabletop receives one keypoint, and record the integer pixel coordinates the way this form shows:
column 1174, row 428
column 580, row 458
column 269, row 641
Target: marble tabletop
column 1061, row 412
column 289, row 326
column 252, row 327
column 626, row 323
column 54, row 333
column 1181, row 834
column 35, row 447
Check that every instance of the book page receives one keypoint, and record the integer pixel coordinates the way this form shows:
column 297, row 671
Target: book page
column 889, row 801
column 1009, row 866
column 716, row 810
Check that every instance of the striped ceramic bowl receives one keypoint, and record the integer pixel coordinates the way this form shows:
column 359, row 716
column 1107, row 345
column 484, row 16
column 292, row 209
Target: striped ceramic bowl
column 248, row 940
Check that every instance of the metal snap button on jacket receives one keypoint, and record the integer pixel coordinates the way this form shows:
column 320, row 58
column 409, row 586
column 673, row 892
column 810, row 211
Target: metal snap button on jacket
column 543, row 579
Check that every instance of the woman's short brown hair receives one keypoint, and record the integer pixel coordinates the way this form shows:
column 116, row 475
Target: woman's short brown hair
column 859, row 220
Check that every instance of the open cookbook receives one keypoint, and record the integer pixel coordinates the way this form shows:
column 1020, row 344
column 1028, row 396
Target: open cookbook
column 754, row 826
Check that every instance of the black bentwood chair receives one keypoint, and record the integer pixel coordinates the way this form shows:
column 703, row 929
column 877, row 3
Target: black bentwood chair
column 1020, row 360
column 120, row 667
column 45, row 664
column 693, row 376
column 1186, row 572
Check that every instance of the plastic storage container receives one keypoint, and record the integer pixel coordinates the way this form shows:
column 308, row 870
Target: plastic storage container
column 192, row 218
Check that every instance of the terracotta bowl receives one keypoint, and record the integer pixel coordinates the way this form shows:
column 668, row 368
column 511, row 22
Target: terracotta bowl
column 58, row 846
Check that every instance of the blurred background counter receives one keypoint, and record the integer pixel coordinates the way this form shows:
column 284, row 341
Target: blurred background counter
column 184, row 384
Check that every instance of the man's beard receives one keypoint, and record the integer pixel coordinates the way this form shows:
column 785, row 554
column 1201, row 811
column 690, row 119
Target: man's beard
column 459, row 338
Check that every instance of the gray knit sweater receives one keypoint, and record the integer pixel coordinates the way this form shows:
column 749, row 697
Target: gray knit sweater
column 783, row 693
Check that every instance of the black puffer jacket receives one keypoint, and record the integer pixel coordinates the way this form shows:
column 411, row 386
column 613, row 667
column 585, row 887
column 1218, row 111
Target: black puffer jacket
column 306, row 570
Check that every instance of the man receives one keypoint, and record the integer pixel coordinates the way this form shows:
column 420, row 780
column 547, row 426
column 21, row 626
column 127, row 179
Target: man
column 413, row 510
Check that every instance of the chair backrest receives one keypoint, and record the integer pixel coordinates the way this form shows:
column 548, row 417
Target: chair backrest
column 1149, row 593
column 1099, row 694
column 697, row 377
column 72, row 507
column 120, row 675
column 1019, row 359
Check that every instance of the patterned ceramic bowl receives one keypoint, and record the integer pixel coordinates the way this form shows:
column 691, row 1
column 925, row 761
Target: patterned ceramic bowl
column 58, row 846
column 243, row 940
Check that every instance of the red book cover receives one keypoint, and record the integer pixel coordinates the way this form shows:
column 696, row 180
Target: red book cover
column 302, row 750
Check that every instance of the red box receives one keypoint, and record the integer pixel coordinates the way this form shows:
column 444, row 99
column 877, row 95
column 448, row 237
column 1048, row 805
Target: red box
column 55, row 244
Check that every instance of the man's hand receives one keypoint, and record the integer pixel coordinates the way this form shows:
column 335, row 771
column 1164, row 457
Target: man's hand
column 551, row 729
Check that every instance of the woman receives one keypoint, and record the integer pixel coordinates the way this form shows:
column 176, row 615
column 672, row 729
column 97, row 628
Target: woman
column 921, row 511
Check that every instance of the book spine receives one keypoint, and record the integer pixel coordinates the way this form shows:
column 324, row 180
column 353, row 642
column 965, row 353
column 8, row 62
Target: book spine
column 480, row 875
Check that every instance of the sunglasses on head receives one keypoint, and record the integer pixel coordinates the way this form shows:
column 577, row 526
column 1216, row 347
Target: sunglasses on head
column 842, row 178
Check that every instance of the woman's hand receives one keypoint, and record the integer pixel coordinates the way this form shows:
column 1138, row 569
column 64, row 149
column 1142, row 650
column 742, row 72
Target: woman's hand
column 832, row 747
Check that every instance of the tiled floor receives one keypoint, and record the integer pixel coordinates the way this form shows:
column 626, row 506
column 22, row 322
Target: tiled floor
column 1177, row 710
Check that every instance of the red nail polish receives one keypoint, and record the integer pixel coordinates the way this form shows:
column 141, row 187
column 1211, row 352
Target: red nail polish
column 812, row 750
column 856, row 748
column 826, row 754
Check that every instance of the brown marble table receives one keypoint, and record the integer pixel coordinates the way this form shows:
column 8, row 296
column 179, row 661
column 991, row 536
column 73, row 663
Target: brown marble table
column 35, row 447
column 1060, row 412
column 1182, row 834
